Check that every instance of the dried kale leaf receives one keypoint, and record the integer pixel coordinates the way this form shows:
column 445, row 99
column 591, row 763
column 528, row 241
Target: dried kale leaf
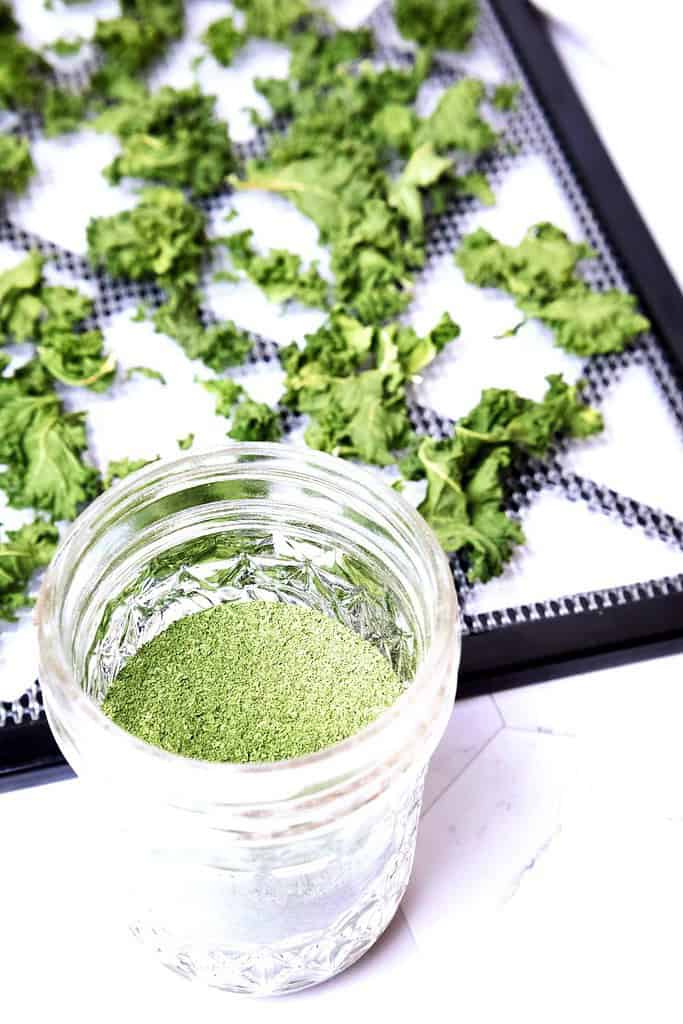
column 25, row 550
column 255, row 421
column 456, row 122
column 423, row 169
column 16, row 164
column 505, row 96
column 275, row 19
column 590, row 323
column 52, row 317
column 145, row 371
column 351, row 379
column 162, row 237
column 540, row 267
column 171, row 136
column 540, row 273
column 133, row 41
column 23, row 74
column 42, row 446
column 63, row 111
column 219, row 345
column 66, row 47
column 465, row 474
column 119, row 469
column 228, row 393
column 278, row 272
column 337, row 164
column 224, row 40
column 445, row 24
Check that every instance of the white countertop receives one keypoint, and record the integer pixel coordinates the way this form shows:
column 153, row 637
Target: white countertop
column 548, row 873
column 547, row 876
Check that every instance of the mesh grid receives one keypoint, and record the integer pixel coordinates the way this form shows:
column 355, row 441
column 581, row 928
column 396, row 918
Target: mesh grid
column 526, row 135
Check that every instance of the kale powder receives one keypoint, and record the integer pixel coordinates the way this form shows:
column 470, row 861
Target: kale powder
column 251, row 681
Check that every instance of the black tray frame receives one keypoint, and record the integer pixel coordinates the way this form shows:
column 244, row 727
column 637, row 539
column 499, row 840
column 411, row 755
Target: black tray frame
column 528, row 652
column 535, row 651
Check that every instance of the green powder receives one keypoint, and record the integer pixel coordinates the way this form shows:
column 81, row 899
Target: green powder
column 251, row 681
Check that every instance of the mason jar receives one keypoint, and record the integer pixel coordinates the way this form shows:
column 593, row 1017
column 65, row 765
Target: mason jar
column 262, row 877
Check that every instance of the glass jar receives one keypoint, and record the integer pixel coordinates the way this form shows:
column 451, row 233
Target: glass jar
column 263, row 877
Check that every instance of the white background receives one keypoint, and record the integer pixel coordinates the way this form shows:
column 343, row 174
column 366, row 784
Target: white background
column 548, row 873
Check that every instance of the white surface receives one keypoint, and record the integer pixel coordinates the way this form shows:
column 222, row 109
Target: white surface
column 547, row 873
column 625, row 60
column 547, row 881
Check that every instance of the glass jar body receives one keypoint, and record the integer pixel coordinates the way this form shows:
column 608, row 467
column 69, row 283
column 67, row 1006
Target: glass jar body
column 266, row 877
column 264, row 918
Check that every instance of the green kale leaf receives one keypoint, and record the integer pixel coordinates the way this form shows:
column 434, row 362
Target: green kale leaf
column 400, row 347
column 52, row 316
column 23, row 74
column 445, row 24
column 162, row 237
column 456, row 123
column 464, row 502
column 540, row 273
column 132, row 42
column 20, row 307
column 278, row 273
column 316, row 58
column 63, row 111
column 540, row 267
column 363, row 417
column 66, row 47
column 42, row 446
column 274, row 19
column 351, row 380
column 334, row 164
column 119, row 469
column 255, row 421
column 145, row 371
column 25, row 550
column 476, row 184
column 589, row 323
column 337, row 349
column 224, row 40
column 171, row 136
column 219, row 345
column 424, row 168
column 505, row 96
column 185, row 443
column 228, row 393
column 16, row 164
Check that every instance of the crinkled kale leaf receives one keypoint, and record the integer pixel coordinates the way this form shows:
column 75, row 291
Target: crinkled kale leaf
column 255, row 421
column 351, row 380
column 52, row 317
column 25, row 550
column 129, row 44
column 541, row 274
column 42, row 446
column 16, row 164
column 465, row 474
column 228, row 393
column 278, row 272
column 119, row 469
column 224, row 40
column 444, row 24
column 170, row 136
column 162, row 237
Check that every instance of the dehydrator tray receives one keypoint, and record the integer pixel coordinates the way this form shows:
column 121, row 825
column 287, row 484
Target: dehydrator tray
column 600, row 579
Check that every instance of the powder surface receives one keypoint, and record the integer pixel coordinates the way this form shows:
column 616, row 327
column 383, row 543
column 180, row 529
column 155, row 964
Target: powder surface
column 251, row 681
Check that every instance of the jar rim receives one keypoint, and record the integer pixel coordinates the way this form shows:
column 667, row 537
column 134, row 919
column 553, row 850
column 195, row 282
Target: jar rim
column 65, row 695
